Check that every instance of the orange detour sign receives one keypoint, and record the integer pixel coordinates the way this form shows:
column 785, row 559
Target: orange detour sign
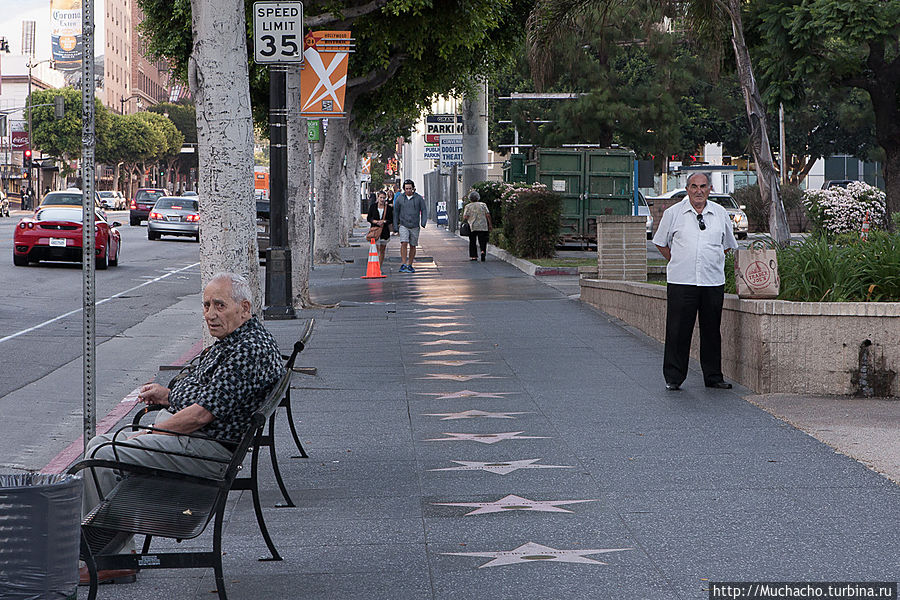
column 373, row 267
column 323, row 79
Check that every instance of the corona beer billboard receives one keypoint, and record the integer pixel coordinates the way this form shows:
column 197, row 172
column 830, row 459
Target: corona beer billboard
column 65, row 34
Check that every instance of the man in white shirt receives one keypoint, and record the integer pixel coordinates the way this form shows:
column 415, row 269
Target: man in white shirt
column 694, row 236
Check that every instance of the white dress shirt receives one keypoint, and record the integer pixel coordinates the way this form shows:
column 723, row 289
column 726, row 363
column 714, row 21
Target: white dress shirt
column 698, row 256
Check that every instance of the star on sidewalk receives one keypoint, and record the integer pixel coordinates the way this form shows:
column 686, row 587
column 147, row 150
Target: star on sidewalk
column 436, row 310
column 485, row 438
column 448, row 342
column 436, row 325
column 500, row 468
column 531, row 552
column 453, row 353
column 466, row 394
column 455, row 377
column 514, row 503
column 436, row 318
column 453, row 363
column 474, row 414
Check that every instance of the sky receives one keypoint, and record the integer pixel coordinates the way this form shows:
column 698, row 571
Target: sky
column 13, row 12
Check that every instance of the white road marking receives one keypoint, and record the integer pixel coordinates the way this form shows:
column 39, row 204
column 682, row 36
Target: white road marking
column 78, row 310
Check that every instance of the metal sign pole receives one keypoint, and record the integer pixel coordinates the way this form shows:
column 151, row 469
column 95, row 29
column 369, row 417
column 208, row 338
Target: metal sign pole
column 87, row 224
column 278, row 256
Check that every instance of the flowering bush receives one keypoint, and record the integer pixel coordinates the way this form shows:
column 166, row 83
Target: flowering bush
column 510, row 191
column 839, row 210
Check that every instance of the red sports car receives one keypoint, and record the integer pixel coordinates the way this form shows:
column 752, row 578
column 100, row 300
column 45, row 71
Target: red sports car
column 54, row 233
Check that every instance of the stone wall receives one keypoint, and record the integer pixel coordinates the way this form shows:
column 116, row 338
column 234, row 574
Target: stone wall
column 622, row 247
column 771, row 346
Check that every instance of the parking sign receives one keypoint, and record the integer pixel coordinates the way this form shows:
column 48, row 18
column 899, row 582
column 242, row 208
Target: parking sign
column 278, row 32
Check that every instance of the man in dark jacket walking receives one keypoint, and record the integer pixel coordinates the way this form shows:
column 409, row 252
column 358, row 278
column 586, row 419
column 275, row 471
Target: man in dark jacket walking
column 409, row 212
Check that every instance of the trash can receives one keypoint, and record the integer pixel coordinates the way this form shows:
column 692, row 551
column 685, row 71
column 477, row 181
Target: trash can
column 40, row 533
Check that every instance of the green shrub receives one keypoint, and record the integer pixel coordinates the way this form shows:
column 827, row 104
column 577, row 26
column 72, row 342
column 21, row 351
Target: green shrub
column 758, row 210
column 843, row 269
column 531, row 222
column 497, row 238
column 895, row 218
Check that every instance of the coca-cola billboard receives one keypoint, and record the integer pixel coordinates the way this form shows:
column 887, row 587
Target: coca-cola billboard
column 19, row 140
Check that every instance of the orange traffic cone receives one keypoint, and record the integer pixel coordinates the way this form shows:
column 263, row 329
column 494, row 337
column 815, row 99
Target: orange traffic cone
column 373, row 268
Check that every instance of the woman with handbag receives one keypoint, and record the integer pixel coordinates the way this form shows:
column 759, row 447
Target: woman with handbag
column 381, row 216
column 478, row 218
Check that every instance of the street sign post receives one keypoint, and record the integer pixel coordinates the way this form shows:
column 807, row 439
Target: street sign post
column 277, row 32
column 277, row 41
column 451, row 150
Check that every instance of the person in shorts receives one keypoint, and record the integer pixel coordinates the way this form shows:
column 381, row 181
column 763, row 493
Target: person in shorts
column 409, row 214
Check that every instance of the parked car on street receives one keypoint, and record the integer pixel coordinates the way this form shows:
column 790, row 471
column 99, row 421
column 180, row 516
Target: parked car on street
column 54, row 233
column 174, row 215
column 735, row 213
column 142, row 203
column 189, row 193
column 833, row 183
column 644, row 211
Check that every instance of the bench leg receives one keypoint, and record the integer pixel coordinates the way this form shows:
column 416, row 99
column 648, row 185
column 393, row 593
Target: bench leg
column 217, row 551
column 146, row 547
column 286, row 403
column 91, row 567
column 288, row 503
column 257, row 507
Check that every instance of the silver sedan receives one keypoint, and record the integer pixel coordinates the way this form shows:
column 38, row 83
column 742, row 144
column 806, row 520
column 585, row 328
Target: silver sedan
column 174, row 215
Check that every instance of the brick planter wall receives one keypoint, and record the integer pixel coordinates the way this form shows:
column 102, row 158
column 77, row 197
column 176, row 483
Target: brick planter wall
column 622, row 247
column 773, row 345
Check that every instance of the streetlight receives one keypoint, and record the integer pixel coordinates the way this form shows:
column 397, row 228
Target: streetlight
column 123, row 100
column 30, row 66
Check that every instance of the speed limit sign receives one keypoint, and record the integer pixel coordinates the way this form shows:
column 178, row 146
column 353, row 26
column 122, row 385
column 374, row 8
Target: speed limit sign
column 278, row 32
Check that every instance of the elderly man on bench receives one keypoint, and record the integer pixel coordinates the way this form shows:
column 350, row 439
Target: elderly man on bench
column 216, row 398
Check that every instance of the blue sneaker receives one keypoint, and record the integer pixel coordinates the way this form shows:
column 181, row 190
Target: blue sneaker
column 403, row 268
column 410, row 269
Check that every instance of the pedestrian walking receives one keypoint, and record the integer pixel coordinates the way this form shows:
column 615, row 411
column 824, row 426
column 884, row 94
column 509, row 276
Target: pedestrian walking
column 694, row 236
column 409, row 212
column 477, row 215
column 381, row 213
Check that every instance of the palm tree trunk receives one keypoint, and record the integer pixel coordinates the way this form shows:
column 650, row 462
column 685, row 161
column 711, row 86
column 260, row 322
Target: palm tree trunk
column 766, row 173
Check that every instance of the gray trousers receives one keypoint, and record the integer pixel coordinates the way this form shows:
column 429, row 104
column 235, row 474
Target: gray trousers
column 142, row 454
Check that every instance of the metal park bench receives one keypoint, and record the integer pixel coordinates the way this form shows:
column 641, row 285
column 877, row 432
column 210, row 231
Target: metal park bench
column 159, row 503
column 268, row 436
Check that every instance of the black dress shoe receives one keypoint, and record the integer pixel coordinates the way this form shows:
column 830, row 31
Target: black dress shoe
column 673, row 387
column 719, row 385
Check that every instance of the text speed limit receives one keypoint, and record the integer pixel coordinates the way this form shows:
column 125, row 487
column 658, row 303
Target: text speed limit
column 278, row 32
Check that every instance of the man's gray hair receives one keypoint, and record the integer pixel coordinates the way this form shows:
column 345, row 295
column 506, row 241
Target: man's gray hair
column 240, row 287
column 704, row 173
column 474, row 196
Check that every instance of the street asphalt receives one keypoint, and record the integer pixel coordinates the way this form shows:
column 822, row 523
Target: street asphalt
column 474, row 432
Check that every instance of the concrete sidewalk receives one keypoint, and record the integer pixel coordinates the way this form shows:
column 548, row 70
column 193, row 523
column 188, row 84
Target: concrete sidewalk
column 475, row 433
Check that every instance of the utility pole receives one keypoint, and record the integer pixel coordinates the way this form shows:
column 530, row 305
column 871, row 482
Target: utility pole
column 88, row 238
column 475, row 137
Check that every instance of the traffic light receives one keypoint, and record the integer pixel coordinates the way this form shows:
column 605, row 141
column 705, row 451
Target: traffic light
column 26, row 160
column 59, row 107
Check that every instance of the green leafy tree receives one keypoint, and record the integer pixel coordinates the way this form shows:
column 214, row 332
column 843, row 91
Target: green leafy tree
column 61, row 138
column 842, row 45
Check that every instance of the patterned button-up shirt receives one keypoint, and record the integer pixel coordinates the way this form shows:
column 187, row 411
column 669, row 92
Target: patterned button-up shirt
column 231, row 381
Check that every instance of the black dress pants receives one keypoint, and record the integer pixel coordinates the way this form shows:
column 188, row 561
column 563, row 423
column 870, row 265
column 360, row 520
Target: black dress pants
column 482, row 237
column 685, row 303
